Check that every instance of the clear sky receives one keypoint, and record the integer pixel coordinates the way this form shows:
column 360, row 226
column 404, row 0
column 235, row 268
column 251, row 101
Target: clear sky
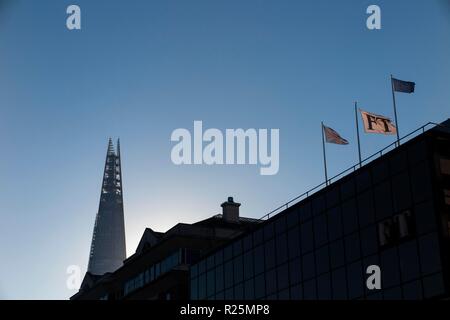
column 140, row 69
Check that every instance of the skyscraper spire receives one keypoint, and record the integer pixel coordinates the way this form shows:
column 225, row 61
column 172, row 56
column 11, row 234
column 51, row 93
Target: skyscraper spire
column 108, row 240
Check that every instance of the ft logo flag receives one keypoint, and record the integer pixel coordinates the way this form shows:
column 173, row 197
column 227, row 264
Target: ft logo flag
column 374, row 123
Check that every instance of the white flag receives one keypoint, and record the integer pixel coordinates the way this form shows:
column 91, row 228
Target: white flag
column 374, row 123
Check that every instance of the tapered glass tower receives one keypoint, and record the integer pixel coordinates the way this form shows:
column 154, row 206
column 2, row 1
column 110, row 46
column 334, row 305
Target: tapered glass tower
column 108, row 240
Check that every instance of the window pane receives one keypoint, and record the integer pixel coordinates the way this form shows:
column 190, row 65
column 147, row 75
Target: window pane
column 259, row 259
column 269, row 251
column 413, row 291
column 369, row 240
column 332, row 197
column 420, row 183
column 228, row 274
column 249, row 290
column 355, row 280
column 425, row 217
column 429, row 254
column 260, row 290
column 401, row 192
column 283, row 277
column 347, row 189
column 349, row 216
column 324, row 287
column 309, row 290
column 352, row 247
column 294, row 242
column 307, row 237
column 248, row 265
column 210, row 283
column 409, row 261
column 390, row 268
column 309, row 269
column 383, row 200
column 292, row 218
column 433, row 285
column 219, row 278
column 322, row 260
column 337, row 254
column 238, row 269
column 295, row 271
column 305, row 211
column 320, row 230
column 282, row 247
column 318, row 205
column 334, row 224
column 339, row 284
column 363, row 181
column 366, row 208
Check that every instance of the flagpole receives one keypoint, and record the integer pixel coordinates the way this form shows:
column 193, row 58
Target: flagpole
column 357, row 132
column 395, row 111
column 324, row 157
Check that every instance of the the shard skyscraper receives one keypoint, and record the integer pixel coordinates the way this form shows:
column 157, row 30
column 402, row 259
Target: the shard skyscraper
column 108, row 241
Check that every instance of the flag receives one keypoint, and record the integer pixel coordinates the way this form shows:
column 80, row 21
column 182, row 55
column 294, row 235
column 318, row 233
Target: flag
column 332, row 136
column 374, row 123
column 403, row 86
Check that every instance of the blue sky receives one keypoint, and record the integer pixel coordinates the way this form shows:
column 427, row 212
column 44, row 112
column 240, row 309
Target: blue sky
column 140, row 69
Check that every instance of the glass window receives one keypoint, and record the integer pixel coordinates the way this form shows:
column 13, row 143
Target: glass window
column 417, row 152
column 295, row 271
column 369, row 240
column 259, row 259
column 322, row 260
column 292, row 218
column 380, row 171
column 280, row 224
column 420, row 183
column 228, row 252
column 269, row 251
column 238, row 269
column 249, row 290
column 409, row 261
column 320, row 230
column 339, row 284
column 429, row 254
column 219, row 278
column 425, row 217
column 392, row 294
column 229, row 294
column 323, row 287
column 258, row 236
column 390, row 268
column 248, row 265
column 398, row 162
column 194, row 289
column 356, row 282
column 248, row 242
column 366, row 209
column 445, row 166
column 260, row 289
column 401, row 192
column 433, row 286
column 210, row 262
column 347, row 188
column 271, row 281
column 228, row 272
column 283, row 276
column 201, row 267
column 268, row 231
column 334, row 224
column 237, row 247
column 202, row 287
column 210, row 283
column 193, row 269
column 282, row 248
column 283, row 295
column 219, row 257
column 352, row 247
column 413, row 291
column 332, row 197
column 309, row 268
column 337, row 254
column 383, row 200
column 239, row 292
column 220, row 296
column 350, row 216
column 363, row 180
column 294, row 242
column 296, row 292
column 305, row 211
column 310, row 290
column 318, row 205
column 307, row 237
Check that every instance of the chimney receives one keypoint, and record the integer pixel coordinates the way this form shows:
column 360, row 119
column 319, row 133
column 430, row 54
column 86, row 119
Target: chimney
column 230, row 210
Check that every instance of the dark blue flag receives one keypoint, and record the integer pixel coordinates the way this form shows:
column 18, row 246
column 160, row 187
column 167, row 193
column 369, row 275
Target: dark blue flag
column 403, row 86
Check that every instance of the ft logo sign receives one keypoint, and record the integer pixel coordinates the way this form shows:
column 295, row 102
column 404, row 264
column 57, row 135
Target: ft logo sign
column 73, row 21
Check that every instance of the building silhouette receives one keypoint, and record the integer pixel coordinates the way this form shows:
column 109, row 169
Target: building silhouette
column 392, row 211
column 159, row 269
column 108, row 240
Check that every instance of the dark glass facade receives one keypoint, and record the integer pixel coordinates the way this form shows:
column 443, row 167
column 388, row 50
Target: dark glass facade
column 392, row 212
